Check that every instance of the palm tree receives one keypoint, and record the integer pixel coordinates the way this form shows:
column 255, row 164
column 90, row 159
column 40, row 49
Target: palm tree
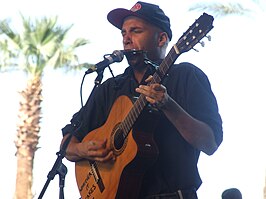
column 41, row 44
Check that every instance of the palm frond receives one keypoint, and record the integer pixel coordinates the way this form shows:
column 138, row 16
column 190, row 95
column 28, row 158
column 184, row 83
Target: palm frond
column 221, row 9
column 42, row 43
column 12, row 35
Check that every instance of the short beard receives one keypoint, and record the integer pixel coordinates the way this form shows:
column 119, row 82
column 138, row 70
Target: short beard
column 136, row 60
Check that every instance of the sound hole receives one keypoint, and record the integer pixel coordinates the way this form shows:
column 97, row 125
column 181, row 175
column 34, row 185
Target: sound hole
column 118, row 139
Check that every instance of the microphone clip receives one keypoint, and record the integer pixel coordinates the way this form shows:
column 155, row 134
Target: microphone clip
column 151, row 63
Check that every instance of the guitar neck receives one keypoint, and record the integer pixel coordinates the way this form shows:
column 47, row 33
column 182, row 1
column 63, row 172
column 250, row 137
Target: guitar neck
column 141, row 102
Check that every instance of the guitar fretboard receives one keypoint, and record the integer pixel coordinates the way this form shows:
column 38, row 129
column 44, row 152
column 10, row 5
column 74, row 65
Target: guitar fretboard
column 141, row 102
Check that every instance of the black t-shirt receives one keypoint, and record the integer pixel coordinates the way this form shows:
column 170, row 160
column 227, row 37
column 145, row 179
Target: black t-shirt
column 176, row 166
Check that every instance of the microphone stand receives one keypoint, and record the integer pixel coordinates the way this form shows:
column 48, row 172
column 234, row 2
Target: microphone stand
column 58, row 167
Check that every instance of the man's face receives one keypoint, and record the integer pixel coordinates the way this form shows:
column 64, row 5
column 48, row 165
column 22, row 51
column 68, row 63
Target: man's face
column 140, row 35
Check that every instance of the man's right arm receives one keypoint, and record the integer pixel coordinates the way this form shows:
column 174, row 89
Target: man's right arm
column 96, row 150
column 71, row 150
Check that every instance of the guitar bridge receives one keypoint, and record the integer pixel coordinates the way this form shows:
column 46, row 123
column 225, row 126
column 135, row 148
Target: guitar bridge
column 97, row 176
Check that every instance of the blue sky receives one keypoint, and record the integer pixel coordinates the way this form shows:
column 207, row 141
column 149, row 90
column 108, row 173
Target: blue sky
column 234, row 61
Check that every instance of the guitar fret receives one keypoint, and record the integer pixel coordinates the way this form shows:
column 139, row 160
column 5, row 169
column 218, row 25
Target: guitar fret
column 127, row 125
column 131, row 120
column 158, row 78
column 123, row 126
column 135, row 114
column 143, row 102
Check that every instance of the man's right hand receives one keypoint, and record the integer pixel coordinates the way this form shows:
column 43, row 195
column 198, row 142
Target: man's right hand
column 96, row 150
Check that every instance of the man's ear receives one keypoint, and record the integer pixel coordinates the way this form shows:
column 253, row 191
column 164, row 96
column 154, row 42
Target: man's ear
column 162, row 39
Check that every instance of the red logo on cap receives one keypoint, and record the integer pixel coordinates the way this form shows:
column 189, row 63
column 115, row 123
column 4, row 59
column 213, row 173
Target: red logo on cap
column 136, row 7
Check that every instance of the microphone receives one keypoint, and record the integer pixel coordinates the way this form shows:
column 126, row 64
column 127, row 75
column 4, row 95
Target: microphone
column 116, row 56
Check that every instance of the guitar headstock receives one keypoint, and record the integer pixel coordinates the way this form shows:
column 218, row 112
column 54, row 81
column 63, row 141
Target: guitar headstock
column 195, row 33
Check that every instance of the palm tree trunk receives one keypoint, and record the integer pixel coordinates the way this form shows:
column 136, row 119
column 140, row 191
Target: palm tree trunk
column 28, row 136
column 24, row 173
column 264, row 190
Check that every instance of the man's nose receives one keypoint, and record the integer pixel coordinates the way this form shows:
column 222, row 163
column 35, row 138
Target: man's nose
column 127, row 39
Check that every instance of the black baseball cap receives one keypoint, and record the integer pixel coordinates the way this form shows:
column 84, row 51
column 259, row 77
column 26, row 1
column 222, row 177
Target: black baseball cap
column 146, row 11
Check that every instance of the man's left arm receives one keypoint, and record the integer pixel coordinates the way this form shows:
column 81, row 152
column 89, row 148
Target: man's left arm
column 196, row 132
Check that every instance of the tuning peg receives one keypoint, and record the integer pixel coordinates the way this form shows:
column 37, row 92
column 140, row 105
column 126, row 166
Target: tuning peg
column 209, row 37
column 202, row 43
column 195, row 50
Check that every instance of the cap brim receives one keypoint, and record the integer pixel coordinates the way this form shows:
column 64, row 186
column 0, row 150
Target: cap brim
column 117, row 16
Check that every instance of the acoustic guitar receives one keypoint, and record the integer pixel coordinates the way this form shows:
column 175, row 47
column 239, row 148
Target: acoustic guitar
column 135, row 149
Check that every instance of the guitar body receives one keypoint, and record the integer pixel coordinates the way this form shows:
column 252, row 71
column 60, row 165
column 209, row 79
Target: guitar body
column 113, row 179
